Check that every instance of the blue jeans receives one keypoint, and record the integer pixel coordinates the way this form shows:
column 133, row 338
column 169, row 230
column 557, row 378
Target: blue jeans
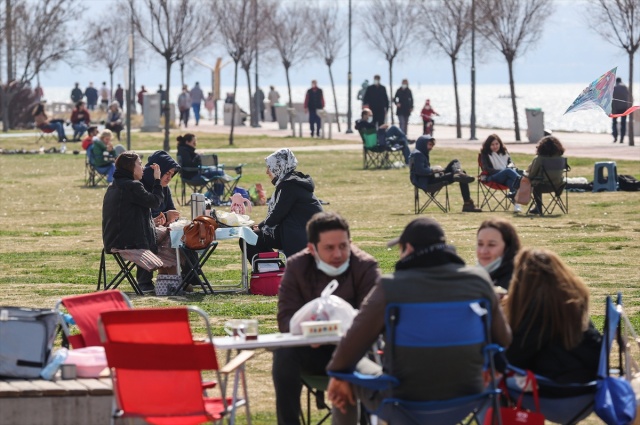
column 507, row 177
column 57, row 126
column 314, row 121
column 196, row 112
column 400, row 139
column 623, row 128
column 79, row 129
column 107, row 170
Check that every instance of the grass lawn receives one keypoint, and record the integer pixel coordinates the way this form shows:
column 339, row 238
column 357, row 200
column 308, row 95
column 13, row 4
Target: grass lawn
column 50, row 229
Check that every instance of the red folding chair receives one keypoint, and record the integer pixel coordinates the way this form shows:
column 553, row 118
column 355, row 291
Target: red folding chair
column 85, row 310
column 494, row 195
column 156, row 368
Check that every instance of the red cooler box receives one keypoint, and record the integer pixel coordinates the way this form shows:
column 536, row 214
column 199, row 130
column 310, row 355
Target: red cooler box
column 267, row 269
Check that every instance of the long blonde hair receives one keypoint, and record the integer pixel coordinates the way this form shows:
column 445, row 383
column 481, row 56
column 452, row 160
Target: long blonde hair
column 547, row 292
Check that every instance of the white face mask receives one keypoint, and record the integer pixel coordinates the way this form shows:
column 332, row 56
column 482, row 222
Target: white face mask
column 370, row 119
column 376, row 82
column 492, row 266
column 328, row 269
column 404, row 86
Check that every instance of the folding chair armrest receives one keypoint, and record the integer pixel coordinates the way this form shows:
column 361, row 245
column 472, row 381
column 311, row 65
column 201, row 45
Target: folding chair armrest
column 373, row 382
column 209, row 384
column 237, row 361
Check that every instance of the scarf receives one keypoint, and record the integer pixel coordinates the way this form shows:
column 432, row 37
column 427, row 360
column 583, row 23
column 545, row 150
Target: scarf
column 499, row 161
column 429, row 256
column 281, row 163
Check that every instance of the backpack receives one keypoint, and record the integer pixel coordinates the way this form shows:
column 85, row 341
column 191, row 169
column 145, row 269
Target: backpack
column 628, row 183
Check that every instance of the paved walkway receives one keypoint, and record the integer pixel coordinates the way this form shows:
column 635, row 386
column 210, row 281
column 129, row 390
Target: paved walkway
column 586, row 145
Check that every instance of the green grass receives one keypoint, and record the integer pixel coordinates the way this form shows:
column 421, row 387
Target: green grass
column 50, row 237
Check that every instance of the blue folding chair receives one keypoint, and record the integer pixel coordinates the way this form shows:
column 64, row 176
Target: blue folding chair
column 573, row 408
column 455, row 324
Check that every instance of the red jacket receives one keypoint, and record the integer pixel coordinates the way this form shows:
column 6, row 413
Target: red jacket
column 78, row 116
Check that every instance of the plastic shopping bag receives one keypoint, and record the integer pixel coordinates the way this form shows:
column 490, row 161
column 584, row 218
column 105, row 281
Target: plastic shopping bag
column 327, row 307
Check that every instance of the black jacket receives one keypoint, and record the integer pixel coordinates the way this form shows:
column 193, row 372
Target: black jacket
column 294, row 204
column 419, row 166
column 405, row 98
column 166, row 164
column 188, row 158
column 376, row 97
column 502, row 275
column 126, row 214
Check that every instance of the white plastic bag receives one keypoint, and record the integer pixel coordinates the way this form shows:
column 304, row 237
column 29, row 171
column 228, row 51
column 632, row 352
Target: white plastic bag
column 327, row 307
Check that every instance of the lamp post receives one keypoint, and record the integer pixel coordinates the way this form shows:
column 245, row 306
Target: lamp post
column 256, row 122
column 472, row 124
column 129, row 102
column 349, row 130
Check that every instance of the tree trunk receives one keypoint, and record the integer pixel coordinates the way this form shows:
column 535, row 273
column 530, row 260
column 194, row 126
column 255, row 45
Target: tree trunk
column 630, row 129
column 111, row 71
column 335, row 100
column 167, row 109
column 252, row 106
column 182, row 72
column 391, row 94
column 233, row 109
column 513, row 100
column 5, row 91
column 293, row 129
column 455, row 91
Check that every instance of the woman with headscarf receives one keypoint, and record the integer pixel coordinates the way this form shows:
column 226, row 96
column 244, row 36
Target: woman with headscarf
column 289, row 209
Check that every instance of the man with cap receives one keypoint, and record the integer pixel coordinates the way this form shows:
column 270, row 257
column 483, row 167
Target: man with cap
column 329, row 255
column 429, row 271
column 385, row 132
column 422, row 174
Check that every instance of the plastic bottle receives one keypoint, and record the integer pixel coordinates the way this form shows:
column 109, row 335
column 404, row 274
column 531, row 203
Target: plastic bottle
column 54, row 364
column 63, row 149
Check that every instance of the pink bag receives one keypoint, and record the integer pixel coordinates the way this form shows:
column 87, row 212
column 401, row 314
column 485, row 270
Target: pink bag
column 523, row 196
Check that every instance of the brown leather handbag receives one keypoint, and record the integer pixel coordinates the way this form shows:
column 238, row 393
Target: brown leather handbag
column 200, row 232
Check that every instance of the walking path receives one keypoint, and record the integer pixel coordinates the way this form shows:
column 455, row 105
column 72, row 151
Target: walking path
column 587, row 145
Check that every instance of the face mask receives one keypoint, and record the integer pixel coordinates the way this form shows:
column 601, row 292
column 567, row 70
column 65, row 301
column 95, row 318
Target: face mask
column 376, row 82
column 493, row 266
column 370, row 119
column 404, row 86
column 328, row 269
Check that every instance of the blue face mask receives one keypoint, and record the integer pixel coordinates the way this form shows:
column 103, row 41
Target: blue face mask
column 328, row 269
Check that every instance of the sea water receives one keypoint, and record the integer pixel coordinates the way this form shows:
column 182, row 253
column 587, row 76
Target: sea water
column 493, row 103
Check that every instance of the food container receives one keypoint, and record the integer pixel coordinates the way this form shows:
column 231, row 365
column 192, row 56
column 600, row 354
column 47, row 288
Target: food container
column 321, row 328
column 89, row 361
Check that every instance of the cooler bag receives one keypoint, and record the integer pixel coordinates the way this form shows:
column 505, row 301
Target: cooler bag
column 26, row 340
column 267, row 269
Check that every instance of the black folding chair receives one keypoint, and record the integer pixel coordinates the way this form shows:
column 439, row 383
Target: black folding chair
column 555, row 190
column 377, row 156
column 432, row 192
column 124, row 272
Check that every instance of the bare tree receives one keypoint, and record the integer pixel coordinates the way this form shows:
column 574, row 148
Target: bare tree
column 512, row 26
column 234, row 22
column 388, row 26
column 618, row 22
column 174, row 29
column 447, row 23
column 290, row 36
column 112, row 32
column 329, row 33
column 38, row 37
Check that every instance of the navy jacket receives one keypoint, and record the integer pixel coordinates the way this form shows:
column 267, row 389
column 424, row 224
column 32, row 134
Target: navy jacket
column 166, row 163
column 419, row 167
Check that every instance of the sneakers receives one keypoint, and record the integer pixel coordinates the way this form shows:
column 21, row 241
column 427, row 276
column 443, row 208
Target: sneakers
column 147, row 287
column 535, row 211
column 463, row 178
column 470, row 207
column 517, row 208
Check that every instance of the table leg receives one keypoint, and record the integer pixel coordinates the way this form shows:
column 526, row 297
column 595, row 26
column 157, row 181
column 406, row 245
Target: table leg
column 245, row 273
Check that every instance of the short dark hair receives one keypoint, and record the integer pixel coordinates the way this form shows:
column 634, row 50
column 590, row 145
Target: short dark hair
column 127, row 161
column 324, row 222
column 549, row 146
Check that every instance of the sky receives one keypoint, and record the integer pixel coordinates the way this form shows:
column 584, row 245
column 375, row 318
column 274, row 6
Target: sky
column 568, row 52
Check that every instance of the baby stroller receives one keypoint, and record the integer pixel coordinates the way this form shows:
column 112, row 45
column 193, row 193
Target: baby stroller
column 267, row 269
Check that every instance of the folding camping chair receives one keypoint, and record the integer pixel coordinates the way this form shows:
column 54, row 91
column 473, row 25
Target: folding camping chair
column 85, row 310
column 156, row 368
column 574, row 408
column 221, row 186
column 45, row 136
column 124, row 273
column 467, row 324
column 92, row 177
column 432, row 192
column 315, row 386
column 494, row 195
column 193, row 267
column 376, row 155
column 549, row 166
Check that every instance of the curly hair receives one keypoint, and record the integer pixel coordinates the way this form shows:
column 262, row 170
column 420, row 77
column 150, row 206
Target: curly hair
column 486, row 146
column 549, row 146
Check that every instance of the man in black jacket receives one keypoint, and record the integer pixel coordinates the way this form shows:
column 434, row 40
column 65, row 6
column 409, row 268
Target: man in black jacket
column 387, row 134
column 313, row 101
column 404, row 105
column 376, row 99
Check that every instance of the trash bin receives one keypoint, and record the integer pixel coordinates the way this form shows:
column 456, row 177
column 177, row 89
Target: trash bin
column 535, row 124
column 282, row 116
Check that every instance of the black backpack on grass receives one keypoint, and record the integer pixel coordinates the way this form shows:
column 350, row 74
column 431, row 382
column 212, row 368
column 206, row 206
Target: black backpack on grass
column 628, row 183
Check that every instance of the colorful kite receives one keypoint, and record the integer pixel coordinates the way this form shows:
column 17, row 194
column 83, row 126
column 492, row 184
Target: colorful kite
column 599, row 94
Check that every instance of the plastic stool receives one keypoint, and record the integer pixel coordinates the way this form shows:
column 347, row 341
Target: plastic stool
column 607, row 183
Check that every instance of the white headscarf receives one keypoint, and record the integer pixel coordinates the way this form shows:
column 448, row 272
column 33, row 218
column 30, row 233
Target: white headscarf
column 281, row 163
